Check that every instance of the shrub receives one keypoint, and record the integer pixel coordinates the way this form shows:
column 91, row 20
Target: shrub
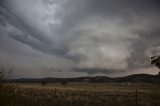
column 43, row 83
column 64, row 83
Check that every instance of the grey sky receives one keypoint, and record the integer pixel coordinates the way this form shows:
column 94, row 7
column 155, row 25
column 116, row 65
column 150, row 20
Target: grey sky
column 69, row 38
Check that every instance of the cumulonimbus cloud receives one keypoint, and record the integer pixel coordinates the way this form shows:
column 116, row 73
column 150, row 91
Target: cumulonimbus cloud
column 106, row 34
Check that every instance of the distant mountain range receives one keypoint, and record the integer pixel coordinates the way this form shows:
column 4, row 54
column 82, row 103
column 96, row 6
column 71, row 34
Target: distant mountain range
column 135, row 78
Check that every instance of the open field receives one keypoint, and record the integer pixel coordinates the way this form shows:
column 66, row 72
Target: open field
column 93, row 86
column 88, row 94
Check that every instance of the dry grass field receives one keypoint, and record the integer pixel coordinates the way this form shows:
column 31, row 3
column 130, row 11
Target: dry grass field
column 86, row 94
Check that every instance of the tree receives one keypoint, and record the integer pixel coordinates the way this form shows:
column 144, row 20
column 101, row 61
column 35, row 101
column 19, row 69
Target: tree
column 64, row 82
column 5, row 75
column 155, row 60
column 43, row 83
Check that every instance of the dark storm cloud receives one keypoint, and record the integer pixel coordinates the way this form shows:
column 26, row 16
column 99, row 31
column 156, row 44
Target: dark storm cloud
column 27, row 35
column 145, row 47
column 95, row 70
column 141, row 14
column 98, row 35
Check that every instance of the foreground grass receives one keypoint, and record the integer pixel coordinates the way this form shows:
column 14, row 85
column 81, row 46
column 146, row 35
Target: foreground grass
column 80, row 94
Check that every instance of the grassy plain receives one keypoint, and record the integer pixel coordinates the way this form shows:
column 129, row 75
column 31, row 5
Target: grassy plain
column 84, row 94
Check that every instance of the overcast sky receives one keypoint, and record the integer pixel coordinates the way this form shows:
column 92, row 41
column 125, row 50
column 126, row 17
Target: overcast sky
column 70, row 38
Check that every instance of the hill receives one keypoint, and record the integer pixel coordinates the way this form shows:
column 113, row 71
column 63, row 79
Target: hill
column 135, row 78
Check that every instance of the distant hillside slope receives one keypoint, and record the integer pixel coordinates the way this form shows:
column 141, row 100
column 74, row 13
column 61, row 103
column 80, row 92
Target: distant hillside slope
column 136, row 78
column 139, row 78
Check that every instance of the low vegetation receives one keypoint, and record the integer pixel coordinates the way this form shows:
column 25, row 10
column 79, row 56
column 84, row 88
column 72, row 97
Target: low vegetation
column 80, row 94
